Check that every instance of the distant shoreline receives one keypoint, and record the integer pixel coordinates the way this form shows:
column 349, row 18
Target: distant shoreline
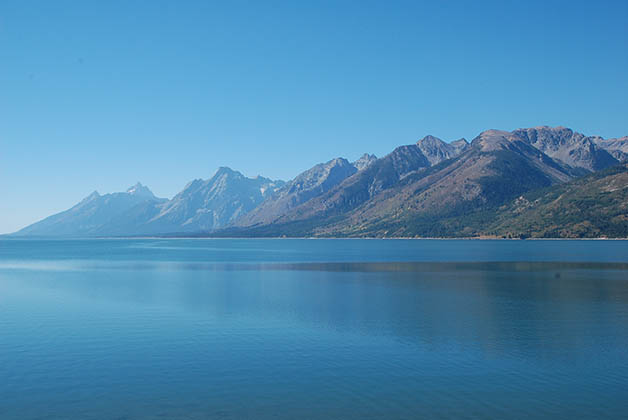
column 10, row 236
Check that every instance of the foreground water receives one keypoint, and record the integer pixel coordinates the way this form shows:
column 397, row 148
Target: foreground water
column 313, row 329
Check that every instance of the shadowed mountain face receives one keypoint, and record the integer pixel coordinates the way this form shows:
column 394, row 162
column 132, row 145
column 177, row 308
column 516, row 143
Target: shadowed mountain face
column 422, row 189
column 431, row 188
column 307, row 185
column 496, row 167
column 348, row 191
column 618, row 148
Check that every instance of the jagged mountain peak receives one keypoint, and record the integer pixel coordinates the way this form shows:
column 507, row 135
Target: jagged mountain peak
column 617, row 147
column 93, row 213
column 93, row 195
column 426, row 178
column 204, row 205
column 546, row 136
column 459, row 145
column 140, row 190
column 567, row 146
column 492, row 134
column 364, row 161
column 562, row 144
column 431, row 140
column 337, row 161
column 492, row 140
column 192, row 183
column 227, row 171
column 311, row 183
column 548, row 128
column 320, row 173
column 436, row 150
column 132, row 188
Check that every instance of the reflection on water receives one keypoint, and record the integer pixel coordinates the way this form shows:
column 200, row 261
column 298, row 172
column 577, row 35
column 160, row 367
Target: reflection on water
column 319, row 250
column 138, row 337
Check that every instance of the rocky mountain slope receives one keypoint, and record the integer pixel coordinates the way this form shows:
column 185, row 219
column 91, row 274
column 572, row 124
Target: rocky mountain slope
column 356, row 187
column 307, row 185
column 618, row 148
column 93, row 213
column 364, row 161
column 430, row 188
column 203, row 205
column 495, row 168
column 425, row 190
column 569, row 147
column 436, row 150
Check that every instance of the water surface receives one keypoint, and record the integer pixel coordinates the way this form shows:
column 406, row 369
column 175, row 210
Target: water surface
column 313, row 329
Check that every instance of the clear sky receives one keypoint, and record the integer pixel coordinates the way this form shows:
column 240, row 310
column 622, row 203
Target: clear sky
column 97, row 95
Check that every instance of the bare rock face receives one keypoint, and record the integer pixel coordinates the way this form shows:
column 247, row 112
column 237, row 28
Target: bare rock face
column 406, row 191
column 459, row 145
column 428, row 188
column 204, row 205
column 365, row 161
column 436, row 150
column 309, row 184
column 140, row 190
column 495, row 168
column 493, row 141
column 567, row 146
column 351, row 189
column 319, row 178
column 618, row 148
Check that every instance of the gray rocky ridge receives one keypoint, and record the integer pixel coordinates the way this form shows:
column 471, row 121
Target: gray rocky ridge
column 429, row 180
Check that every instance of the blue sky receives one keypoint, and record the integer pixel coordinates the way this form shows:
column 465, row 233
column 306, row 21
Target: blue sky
column 97, row 95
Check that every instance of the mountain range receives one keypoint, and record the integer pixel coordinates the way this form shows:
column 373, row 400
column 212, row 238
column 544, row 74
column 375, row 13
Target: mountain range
column 528, row 182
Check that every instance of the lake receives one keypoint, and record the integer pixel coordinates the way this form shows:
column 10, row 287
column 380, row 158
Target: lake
column 313, row 329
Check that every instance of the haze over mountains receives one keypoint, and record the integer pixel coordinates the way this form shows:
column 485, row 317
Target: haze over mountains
column 431, row 188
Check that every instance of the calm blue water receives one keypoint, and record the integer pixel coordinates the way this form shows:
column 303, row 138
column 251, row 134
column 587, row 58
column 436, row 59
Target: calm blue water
column 313, row 329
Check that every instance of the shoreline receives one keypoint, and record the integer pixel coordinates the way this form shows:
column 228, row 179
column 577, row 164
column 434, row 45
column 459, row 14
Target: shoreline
column 11, row 237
